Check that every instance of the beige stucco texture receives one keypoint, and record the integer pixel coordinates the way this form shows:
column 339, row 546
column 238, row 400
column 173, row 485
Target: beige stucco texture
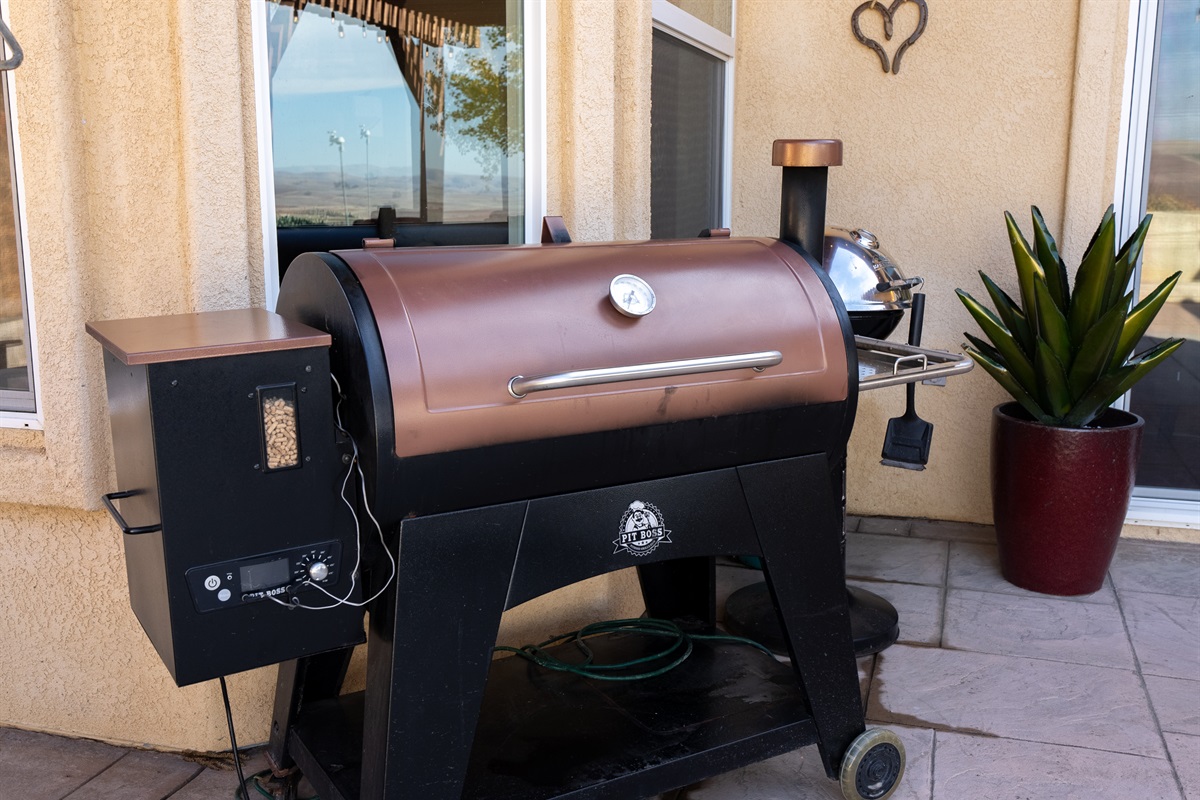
column 75, row 660
column 977, row 121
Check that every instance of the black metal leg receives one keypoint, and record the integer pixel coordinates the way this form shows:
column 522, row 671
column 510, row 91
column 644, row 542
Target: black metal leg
column 302, row 680
column 800, row 533
column 685, row 588
column 430, row 648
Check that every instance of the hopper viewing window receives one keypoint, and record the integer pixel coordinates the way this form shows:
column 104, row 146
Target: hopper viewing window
column 416, row 106
column 17, row 390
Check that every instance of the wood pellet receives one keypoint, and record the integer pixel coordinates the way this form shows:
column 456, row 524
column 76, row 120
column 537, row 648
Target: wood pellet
column 279, row 421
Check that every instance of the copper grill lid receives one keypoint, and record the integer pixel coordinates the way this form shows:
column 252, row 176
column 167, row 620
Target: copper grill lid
column 464, row 329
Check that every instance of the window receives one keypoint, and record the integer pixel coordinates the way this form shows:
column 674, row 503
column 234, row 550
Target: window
column 690, row 136
column 18, row 395
column 1161, row 135
column 405, row 120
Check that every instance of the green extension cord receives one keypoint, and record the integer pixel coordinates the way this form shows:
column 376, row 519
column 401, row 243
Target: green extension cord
column 680, row 646
column 253, row 781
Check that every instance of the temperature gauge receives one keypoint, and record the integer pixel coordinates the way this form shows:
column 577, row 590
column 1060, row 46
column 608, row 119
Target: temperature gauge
column 631, row 295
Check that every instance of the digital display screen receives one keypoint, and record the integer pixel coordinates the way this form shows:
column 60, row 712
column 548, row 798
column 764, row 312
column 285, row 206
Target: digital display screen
column 267, row 575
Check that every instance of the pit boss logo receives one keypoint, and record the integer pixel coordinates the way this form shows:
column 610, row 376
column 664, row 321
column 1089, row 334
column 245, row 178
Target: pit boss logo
column 642, row 530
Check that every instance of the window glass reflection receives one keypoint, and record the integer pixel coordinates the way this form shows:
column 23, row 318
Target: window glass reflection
column 402, row 107
column 1169, row 398
column 16, row 376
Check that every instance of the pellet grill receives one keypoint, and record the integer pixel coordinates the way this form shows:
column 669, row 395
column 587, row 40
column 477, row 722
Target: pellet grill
column 527, row 417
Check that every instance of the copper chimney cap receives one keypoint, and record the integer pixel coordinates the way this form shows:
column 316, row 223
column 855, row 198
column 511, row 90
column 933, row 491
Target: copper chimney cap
column 806, row 153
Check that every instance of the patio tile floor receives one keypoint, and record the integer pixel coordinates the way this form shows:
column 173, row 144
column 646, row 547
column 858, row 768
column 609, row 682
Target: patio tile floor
column 997, row 692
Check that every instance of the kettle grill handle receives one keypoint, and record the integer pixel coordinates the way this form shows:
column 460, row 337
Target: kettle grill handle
column 116, row 515
column 520, row 386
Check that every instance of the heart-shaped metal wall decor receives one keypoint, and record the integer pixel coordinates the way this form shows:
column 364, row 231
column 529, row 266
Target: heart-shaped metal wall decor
column 889, row 14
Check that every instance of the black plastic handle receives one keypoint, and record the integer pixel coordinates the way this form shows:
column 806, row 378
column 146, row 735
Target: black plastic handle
column 916, row 321
column 116, row 515
column 916, row 318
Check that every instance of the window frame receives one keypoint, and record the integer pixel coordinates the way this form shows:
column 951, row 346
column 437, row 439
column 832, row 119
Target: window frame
column 1153, row 506
column 534, row 66
column 674, row 21
column 30, row 420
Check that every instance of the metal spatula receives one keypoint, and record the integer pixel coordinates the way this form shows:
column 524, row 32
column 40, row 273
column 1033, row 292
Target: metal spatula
column 908, row 437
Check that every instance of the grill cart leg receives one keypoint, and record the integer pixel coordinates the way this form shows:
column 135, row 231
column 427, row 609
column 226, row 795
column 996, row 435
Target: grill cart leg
column 685, row 588
column 303, row 680
column 430, row 646
column 799, row 530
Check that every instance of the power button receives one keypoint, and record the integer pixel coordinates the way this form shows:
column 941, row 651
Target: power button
column 212, row 583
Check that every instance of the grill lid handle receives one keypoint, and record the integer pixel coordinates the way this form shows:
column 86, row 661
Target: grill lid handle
column 520, row 386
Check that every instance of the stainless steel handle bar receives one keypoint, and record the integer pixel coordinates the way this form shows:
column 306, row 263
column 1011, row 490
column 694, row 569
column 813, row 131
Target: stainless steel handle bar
column 520, row 386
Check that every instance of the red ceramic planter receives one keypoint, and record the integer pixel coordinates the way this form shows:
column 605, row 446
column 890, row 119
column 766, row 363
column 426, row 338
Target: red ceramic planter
column 1060, row 496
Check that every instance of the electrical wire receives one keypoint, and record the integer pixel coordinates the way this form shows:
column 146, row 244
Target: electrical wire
column 237, row 761
column 355, row 465
column 678, row 648
column 258, row 787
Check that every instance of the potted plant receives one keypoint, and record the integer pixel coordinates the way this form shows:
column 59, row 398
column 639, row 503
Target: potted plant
column 1063, row 462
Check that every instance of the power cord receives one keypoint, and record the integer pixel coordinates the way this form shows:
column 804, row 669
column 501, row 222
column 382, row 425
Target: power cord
column 240, row 794
column 678, row 647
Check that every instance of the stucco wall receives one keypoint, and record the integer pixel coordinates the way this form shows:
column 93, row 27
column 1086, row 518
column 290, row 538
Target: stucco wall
column 998, row 106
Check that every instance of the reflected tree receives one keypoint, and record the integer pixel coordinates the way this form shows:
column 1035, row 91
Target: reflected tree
column 478, row 115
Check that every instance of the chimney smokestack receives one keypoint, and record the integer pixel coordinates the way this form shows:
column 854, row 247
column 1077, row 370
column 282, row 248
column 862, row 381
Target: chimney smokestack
column 806, row 164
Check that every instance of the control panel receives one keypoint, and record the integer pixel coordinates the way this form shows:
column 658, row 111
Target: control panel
column 249, row 580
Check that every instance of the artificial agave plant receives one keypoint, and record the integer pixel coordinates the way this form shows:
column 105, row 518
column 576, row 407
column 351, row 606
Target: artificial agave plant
column 1066, row 354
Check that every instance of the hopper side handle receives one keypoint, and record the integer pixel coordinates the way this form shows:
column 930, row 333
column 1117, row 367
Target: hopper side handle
column 116, row 515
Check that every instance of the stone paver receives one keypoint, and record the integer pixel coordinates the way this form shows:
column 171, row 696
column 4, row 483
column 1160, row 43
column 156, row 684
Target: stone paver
column 1165, row 632
column 139, row 775
column 799, row 774
column 37, row 766
column 895, row 558
column 1038, row 627
column 1176, row 702
column 1002, row 769
column 919, row 607
column 977, row 566
column 891, row 526
column 955, row 531
column 1016, row 698
column 1158, row 567
column 1185, row 753
column 219, row 784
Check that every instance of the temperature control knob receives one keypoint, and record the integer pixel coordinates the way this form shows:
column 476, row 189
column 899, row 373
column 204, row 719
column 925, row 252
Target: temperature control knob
column 318, row 571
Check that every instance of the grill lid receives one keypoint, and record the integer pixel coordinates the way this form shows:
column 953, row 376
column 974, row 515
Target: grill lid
column 488, row 345
column 866, row 277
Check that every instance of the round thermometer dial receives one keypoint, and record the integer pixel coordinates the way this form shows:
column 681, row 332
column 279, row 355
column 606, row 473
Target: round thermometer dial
column 631, row 295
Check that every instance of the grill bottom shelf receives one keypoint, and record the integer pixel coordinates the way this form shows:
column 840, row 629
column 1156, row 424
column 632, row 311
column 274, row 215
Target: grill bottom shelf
column 544, row 734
